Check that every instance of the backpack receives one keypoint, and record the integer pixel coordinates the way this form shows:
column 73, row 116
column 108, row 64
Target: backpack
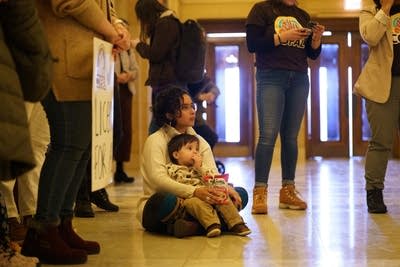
column 191, row 54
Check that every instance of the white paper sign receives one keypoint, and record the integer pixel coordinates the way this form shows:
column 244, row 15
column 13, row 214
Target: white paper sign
column 102, row 114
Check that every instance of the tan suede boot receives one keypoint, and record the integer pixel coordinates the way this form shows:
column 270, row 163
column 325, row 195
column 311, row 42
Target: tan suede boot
column 289, row 198
column 260, row 200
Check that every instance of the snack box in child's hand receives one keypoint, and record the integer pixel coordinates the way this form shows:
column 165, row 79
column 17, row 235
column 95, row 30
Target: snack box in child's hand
column 220, row 183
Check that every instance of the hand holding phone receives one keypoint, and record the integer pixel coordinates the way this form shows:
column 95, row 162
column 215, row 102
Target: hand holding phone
column 311, row 24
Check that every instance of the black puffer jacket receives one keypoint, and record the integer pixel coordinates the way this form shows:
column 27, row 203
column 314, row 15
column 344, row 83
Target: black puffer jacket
column 25, row 63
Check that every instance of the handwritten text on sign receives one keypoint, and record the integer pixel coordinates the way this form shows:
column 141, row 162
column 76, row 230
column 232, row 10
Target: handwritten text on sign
column 102, row 114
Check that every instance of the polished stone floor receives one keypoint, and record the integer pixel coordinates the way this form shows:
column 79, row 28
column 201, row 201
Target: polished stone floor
column 336, row 229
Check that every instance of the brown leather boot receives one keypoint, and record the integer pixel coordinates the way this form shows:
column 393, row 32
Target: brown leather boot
column 45, row 242
column 69, row 235
column 17, row 230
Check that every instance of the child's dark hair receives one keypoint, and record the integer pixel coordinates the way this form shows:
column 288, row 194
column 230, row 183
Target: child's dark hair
column 148, row 12
column 177, row 142
column 168, row 101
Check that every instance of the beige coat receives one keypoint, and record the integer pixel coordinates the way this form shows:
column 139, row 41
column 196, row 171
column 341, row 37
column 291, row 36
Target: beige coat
column 375, row 79
column 70, row 26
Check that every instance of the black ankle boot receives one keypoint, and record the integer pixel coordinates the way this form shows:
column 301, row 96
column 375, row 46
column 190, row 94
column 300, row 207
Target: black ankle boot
column 121, row 177
column 101, row 200
column 83, row 209
column 375, row 201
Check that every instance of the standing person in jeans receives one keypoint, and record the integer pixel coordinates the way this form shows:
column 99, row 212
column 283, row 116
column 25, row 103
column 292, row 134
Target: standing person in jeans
column 277, row 34
column 379, row 84
column 160, row 26
column 70, row 26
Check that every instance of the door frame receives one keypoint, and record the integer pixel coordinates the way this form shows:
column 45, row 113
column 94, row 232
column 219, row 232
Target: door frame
column 246, row 146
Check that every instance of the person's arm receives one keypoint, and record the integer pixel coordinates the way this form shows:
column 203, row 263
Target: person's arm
column 89, row 14
column 373, row 26
column 165, row 38
column 129, row 74
column 260, row 40
column 133, row 66
column 314, row 42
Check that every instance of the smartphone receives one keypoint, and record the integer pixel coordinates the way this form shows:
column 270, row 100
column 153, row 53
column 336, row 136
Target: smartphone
column 311, row 24
column 306, row 30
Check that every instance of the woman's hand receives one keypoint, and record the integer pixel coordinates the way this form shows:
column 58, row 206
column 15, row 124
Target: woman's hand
column 294, row 34
column 123, row 77
column 317, row 32
column 208, row 194
column 208, row 97
column 235, row 197
column 124, row 42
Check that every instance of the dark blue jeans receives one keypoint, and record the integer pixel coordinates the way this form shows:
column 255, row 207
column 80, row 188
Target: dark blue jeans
column 281, row 101
column 66, row 158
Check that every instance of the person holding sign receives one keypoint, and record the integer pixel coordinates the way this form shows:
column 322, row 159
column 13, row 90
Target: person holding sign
column 51, row 236
column 162, row 202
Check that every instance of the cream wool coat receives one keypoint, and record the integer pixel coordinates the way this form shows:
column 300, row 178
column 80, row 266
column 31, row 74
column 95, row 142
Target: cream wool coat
column 375, row 79
column 70, row 26
column 154, row 166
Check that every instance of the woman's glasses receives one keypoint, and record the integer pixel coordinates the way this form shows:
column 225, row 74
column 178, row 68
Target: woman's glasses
column 189, row 106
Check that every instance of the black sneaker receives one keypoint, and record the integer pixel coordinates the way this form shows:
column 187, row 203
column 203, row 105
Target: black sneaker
column 101, row 200
column 375, row 201
column 121, row 177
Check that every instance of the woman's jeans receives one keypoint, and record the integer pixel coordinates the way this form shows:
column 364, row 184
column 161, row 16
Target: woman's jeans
column 281, row 101
column 66, row 158
column 383, row 120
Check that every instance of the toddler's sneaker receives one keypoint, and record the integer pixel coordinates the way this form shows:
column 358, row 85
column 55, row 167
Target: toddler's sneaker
column 214, row 230
column 240, row 229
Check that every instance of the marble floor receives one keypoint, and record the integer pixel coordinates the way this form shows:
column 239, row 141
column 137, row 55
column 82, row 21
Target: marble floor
column 335, row 230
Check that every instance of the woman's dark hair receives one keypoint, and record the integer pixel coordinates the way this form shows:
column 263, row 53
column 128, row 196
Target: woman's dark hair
column 278, row 6
column 177, row 142
column 378, row 4
column 168, row 101
column 148, row 12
